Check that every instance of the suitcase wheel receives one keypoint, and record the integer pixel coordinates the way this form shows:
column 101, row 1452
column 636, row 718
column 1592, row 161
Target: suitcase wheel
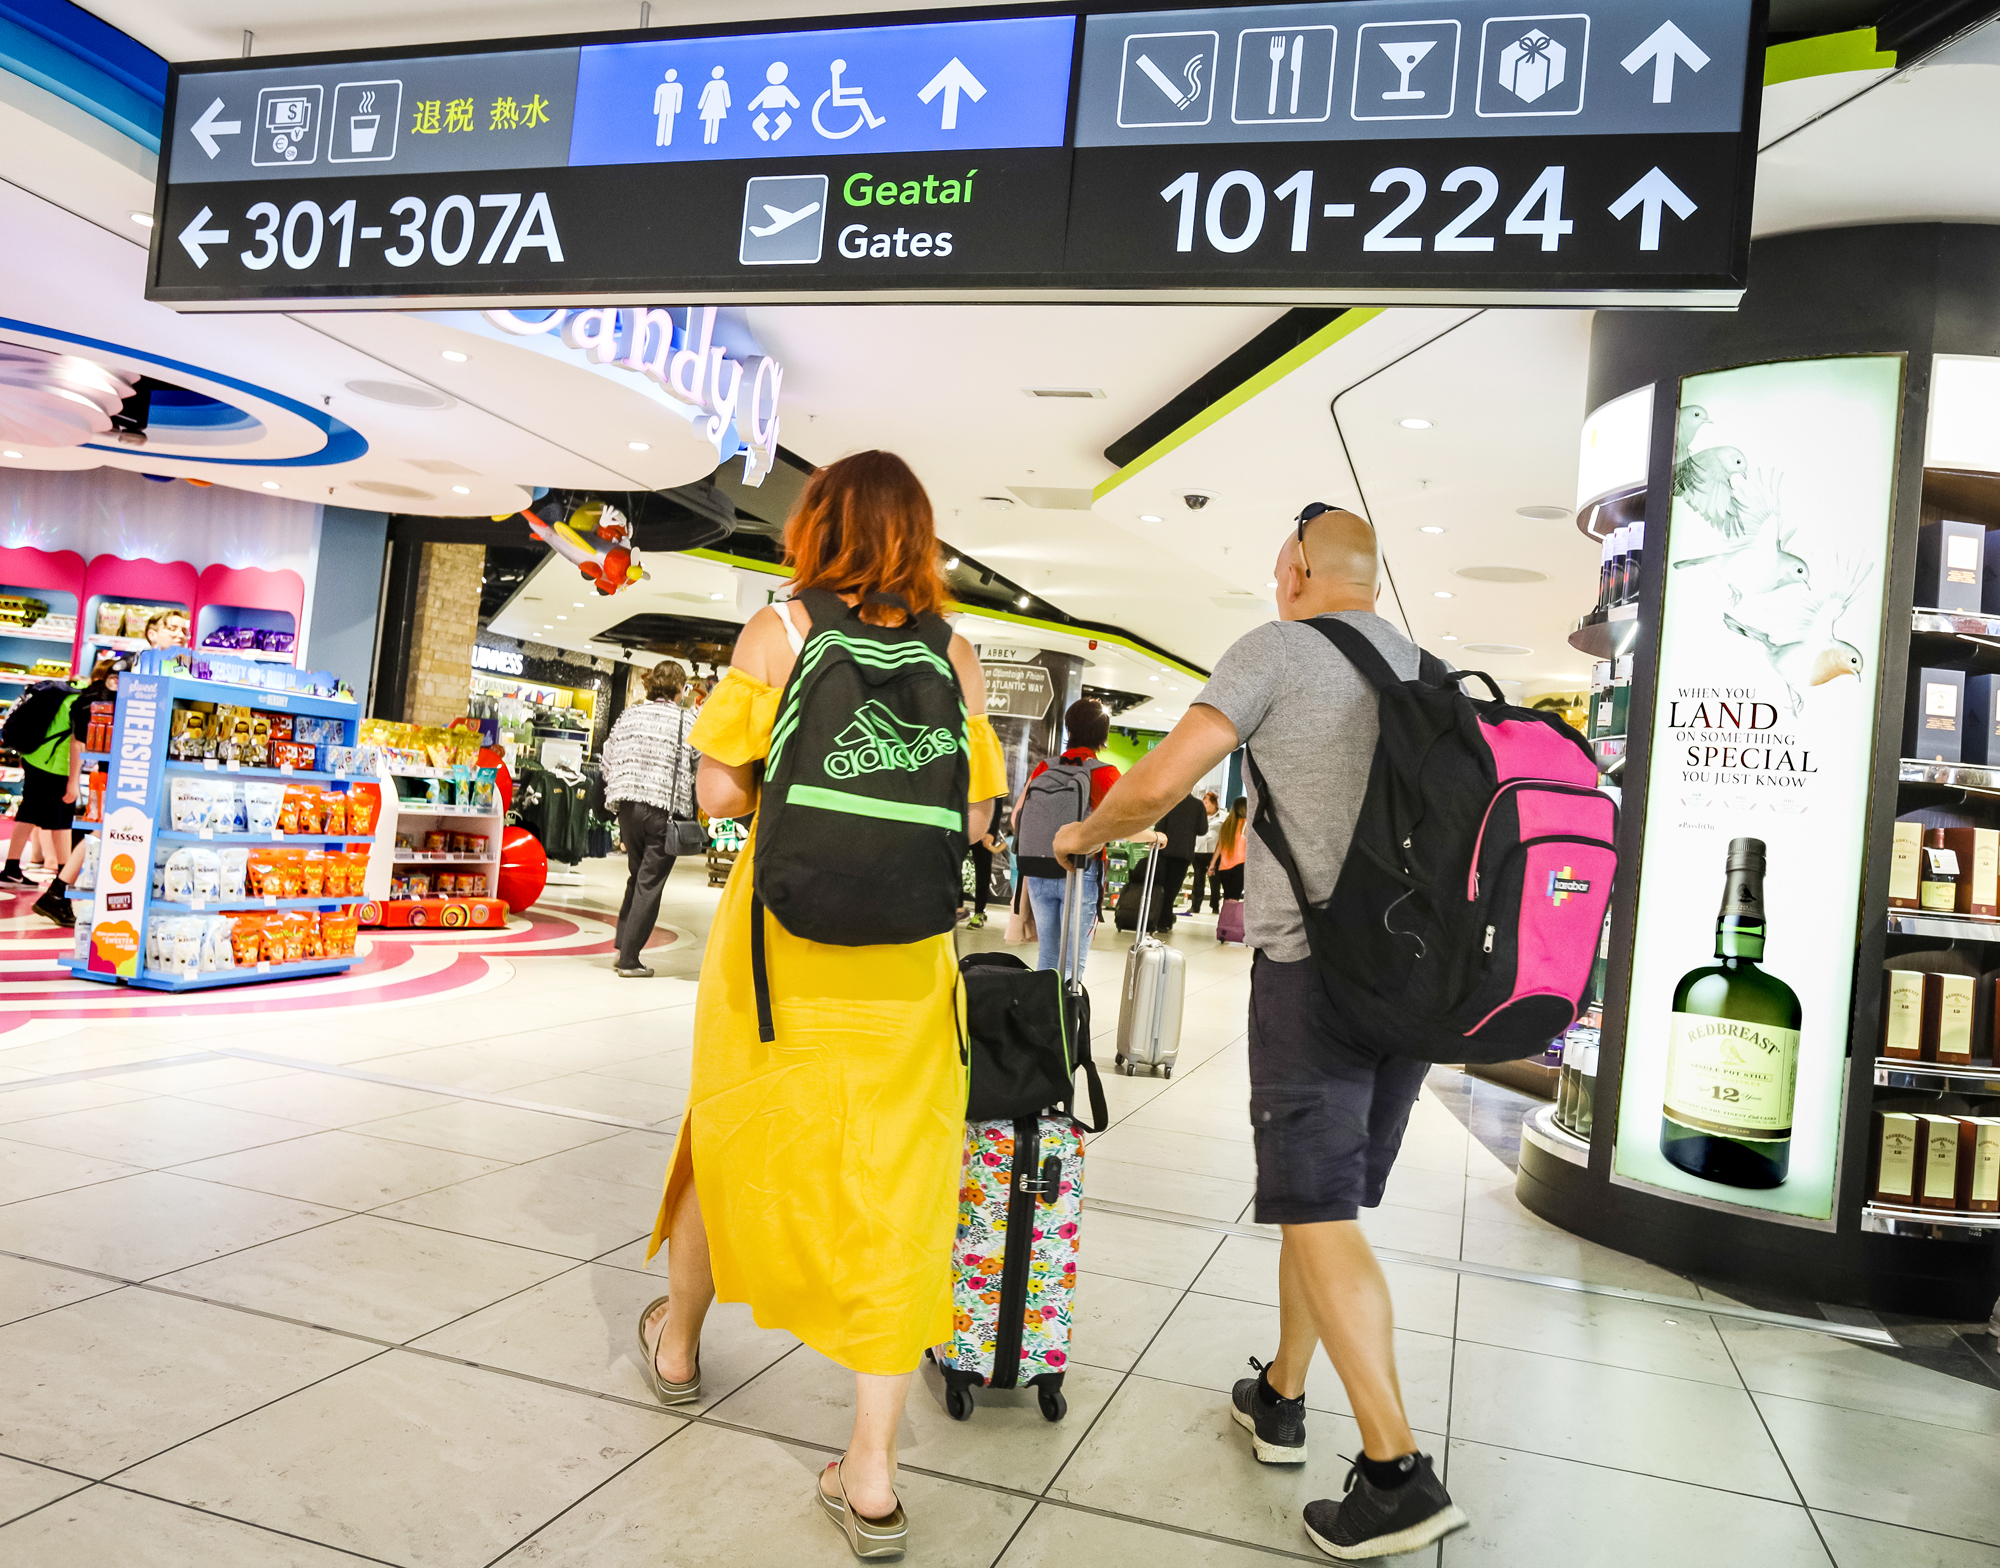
column 1129, row 1069
column 1054, row 1406
column 958, row 1404
column 1119, row 1060
column 1166, row 1072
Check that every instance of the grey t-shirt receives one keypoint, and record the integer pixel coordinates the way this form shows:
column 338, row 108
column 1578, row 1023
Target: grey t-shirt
column 1310, row 721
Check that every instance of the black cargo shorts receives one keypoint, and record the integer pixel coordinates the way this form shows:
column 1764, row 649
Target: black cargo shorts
column 1328, row 1114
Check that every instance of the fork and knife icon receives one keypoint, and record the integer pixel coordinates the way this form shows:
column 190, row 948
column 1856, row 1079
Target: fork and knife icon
column 1298, row 50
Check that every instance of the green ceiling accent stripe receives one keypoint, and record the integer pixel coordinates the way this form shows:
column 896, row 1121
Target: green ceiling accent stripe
column 722, row 558
column 1827, row 56
column 1269, row 376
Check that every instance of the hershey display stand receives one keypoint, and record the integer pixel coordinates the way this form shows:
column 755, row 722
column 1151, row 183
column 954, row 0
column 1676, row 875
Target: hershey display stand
column 117, row 908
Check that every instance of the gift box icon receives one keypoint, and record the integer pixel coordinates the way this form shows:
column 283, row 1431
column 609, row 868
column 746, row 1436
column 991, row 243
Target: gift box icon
column 1532, row 65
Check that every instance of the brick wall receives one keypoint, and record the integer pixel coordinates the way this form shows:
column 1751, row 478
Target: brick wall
column 447, row 621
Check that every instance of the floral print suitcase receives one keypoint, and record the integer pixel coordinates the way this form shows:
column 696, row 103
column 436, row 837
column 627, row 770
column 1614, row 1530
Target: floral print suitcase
column 1020, row 1200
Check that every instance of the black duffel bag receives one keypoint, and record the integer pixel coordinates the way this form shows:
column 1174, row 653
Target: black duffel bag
column 1027, row 1036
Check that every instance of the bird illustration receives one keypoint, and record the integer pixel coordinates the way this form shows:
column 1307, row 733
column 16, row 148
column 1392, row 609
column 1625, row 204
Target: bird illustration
column 1706, row 480
column 1692, row 418
column 1760, row 562
column 1800, row 634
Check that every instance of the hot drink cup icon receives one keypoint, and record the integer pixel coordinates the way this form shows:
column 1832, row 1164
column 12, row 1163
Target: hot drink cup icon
column 361, row 129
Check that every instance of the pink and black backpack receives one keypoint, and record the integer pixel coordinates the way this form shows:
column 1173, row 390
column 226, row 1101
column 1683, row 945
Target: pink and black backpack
column 1468, row 910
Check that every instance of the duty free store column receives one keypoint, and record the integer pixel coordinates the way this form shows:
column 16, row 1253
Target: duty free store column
column 1784, row 460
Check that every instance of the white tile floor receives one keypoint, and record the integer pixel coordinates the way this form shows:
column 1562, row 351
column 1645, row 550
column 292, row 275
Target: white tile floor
column 258, row 1313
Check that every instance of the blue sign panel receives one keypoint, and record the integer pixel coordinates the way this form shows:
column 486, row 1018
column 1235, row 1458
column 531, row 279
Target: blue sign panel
column 931, row 87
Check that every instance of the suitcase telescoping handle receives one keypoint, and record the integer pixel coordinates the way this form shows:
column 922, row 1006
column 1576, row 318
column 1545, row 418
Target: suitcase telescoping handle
column 1146, row 899
column 1069, row 964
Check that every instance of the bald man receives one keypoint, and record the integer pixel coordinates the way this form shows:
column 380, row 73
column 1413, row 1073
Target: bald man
column 1328, row 1114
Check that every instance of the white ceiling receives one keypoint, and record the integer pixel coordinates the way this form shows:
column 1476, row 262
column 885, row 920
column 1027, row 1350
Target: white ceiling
column 943, row 384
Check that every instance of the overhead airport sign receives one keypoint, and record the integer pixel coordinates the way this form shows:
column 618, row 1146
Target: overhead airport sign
column 1354, row 151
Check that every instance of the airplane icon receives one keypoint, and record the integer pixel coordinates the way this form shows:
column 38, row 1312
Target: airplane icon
column 782, row 220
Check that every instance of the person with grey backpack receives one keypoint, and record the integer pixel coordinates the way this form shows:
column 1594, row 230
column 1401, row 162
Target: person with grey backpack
column 1057, row 794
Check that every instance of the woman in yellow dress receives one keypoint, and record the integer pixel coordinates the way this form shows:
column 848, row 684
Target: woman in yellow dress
column 816, row 1176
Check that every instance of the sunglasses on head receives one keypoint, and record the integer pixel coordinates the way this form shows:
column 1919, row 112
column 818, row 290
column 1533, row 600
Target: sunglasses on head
column 1313, row 509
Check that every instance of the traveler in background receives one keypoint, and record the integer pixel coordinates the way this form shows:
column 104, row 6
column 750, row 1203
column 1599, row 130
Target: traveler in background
column 51, row 768
column 54, row 902
column 981, row 851
column 1086, row 726
column 1183, row 826
column 649, row 778
column 1327, row 1115
column 167, row 629
column 817, row 1179
column 1231, row 841
column 1204, row 855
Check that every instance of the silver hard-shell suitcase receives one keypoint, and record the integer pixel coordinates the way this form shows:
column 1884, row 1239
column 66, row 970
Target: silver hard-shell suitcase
column 1149, row 1006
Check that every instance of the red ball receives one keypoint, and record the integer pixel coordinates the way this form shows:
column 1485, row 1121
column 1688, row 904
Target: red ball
column 524, row 869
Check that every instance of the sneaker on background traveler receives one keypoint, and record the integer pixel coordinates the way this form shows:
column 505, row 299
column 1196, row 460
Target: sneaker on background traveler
column 838, row 1063
column 1327, row 1113
column 649, row 782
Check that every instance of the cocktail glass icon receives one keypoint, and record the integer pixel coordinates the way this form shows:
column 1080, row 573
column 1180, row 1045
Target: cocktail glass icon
column 1405, row 57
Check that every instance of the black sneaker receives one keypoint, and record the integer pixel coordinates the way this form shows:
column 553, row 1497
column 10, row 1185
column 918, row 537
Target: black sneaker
column 1277, row 1426
column 1371, row 1522
column 14, row 876
column 53, row 906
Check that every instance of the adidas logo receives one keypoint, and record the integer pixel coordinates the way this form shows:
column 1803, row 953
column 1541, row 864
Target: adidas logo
column 877, row 741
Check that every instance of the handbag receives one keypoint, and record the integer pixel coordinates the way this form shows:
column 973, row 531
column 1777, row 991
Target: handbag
column 1021, row 918
column 685, row 835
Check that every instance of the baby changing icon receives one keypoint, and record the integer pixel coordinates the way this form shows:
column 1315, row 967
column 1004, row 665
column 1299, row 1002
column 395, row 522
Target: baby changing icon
column 1533, row 65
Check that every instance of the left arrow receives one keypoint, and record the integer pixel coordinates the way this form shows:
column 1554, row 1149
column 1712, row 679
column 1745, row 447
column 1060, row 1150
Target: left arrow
column 208, row 127
column 951, row 81
column 194, row 237
column 1652, row 192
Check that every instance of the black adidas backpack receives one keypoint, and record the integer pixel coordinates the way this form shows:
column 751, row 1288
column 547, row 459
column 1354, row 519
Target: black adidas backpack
column 861, row 823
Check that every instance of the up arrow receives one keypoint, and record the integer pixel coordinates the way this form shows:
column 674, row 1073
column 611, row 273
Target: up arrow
column 1666, row 44
column 208, row 127
column 194, row 237
column 951, row 81
column 1653, row 191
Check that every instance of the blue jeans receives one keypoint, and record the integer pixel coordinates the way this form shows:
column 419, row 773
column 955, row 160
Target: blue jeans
column 1045, row 898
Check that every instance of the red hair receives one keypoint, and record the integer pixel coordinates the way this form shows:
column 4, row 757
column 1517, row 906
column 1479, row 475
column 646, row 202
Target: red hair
column 863, row 526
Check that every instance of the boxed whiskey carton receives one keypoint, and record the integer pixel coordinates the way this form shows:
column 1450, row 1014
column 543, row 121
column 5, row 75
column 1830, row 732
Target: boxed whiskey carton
column 1934, row 717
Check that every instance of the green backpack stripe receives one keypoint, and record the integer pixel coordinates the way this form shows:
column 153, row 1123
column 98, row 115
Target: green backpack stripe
column 869, row 806
column 863, row 651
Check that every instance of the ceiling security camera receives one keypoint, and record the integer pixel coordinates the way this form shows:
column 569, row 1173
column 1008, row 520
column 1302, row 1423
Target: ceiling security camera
column 1197, row 499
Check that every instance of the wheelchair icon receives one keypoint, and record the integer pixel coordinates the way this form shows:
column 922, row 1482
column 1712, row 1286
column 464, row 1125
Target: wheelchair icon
column 845, row 98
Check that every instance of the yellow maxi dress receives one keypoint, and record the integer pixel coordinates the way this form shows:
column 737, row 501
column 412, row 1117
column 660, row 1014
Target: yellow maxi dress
column 828, row 1161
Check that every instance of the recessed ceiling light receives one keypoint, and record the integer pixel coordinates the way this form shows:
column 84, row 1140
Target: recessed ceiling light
column 578, row 605
column 547, row 627
column 270, row 484
column 562, row 617
column 718, row 597
column 1272, row 583
column 1414, row 424
column 1441, row 594
column 640, row 446
column 951, row 565
column 1023, row 601
column 1543, row 514
column 1430, row 529
column 454, row 356
column 143, row 219
column 460, row 490
column 1153, row 678
column 1148, row 517
column 1449, row 637
column 9, row 454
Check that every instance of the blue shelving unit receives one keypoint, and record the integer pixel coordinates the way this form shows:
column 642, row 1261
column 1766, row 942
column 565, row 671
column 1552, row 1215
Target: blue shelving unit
column 135, row 803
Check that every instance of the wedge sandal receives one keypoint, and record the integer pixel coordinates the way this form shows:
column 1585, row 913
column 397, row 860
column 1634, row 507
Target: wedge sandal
column 868, row 1539
column 666, row 1393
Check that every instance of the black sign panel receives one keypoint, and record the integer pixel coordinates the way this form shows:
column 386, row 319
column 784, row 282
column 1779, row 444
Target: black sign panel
column 1368, row 150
